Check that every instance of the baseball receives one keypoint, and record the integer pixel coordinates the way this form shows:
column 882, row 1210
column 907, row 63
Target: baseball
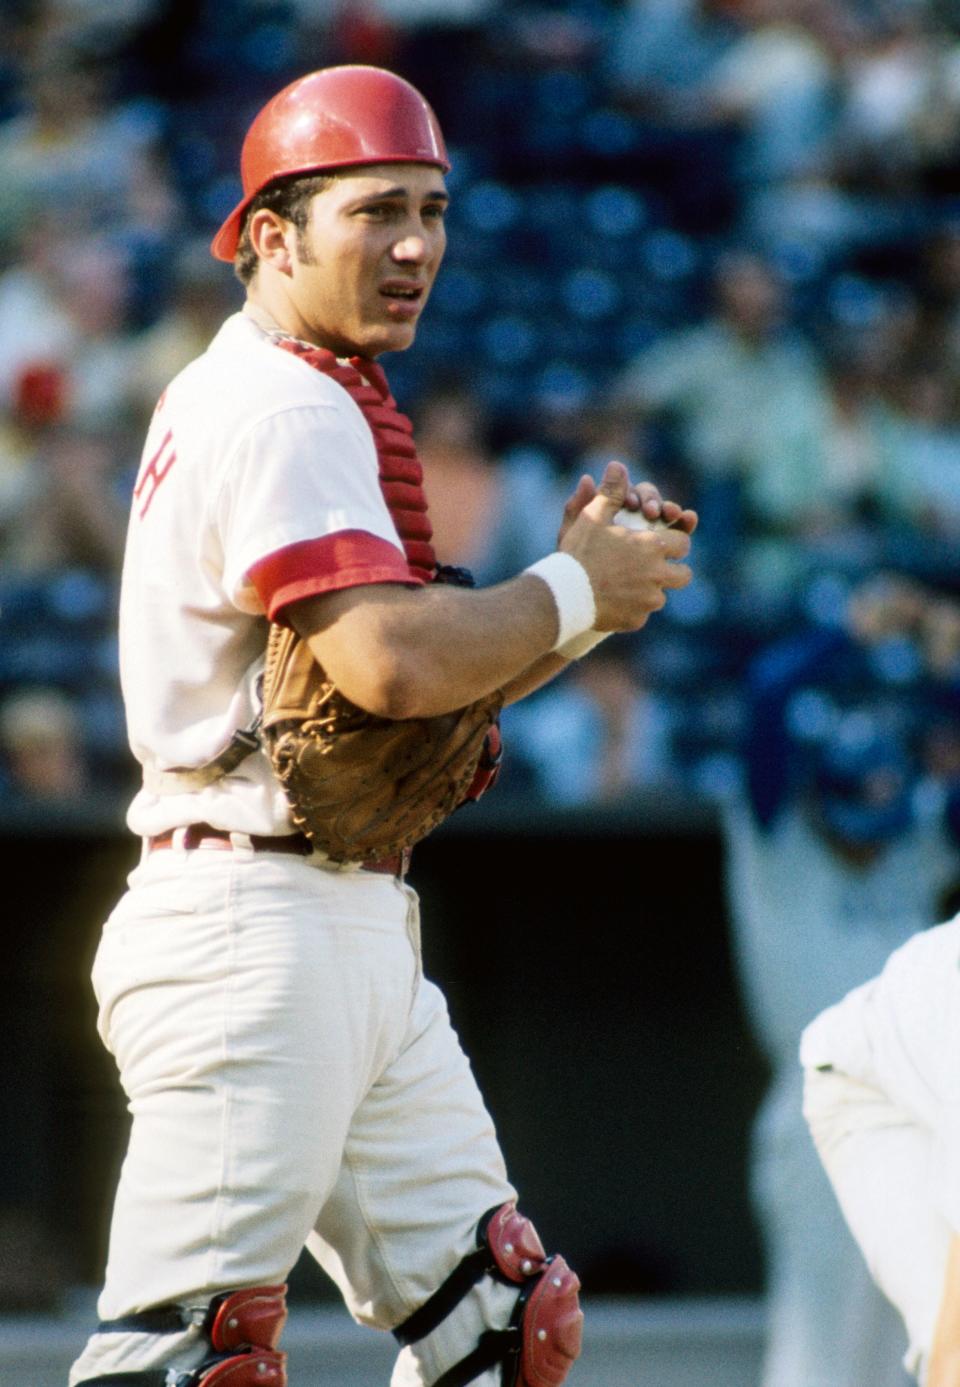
column 636, row 520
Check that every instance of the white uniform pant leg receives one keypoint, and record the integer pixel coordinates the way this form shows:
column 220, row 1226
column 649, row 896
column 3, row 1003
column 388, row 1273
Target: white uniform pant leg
column 881, row 1099
column 251, row 1002
column 827, row 1324
column 421, row 1166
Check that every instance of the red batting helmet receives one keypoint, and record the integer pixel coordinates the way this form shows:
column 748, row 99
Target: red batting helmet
column 333, row 119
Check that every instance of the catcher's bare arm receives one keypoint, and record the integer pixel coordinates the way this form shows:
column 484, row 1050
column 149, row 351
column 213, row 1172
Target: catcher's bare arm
column 402, row 653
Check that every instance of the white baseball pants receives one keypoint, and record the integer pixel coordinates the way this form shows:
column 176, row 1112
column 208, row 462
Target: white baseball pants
column 882, row 1097
column 292, row 1080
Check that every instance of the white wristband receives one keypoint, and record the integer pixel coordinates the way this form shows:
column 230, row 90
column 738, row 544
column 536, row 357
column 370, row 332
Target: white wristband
column 569, row 582
column 576, row 648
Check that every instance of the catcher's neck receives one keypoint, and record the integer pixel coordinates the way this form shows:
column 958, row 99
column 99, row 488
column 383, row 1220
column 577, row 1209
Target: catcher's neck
column 265, row 320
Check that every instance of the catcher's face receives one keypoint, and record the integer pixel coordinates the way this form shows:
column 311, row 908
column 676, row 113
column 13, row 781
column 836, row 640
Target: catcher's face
column 362, row 270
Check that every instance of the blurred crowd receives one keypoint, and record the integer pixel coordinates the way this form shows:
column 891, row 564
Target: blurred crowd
column 719, row 239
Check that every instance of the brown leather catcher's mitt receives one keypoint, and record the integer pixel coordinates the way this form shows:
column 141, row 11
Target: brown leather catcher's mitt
column 363, row 787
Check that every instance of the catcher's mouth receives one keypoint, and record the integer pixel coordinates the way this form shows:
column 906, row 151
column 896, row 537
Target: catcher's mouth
column 402, row 292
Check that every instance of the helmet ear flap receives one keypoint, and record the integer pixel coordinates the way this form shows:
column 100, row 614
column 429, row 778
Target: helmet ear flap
column 338, row 117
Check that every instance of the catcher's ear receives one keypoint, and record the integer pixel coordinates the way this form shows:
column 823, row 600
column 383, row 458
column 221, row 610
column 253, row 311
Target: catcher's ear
column 273, row 238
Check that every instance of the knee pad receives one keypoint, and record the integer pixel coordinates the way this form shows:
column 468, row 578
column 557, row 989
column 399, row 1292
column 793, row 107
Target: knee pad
column 539, row 1345
column 242, row 1327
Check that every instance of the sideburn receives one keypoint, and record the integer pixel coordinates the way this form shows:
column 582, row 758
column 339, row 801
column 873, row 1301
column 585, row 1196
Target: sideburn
column 304, row 250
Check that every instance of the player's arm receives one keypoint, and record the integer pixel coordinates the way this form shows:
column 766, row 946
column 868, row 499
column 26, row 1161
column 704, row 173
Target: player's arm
column 403, row 652
column 944, row 1367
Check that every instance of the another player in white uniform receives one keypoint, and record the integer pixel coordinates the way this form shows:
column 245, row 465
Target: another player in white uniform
column 882, row 1099
column 844, row 820
column 293, row 1079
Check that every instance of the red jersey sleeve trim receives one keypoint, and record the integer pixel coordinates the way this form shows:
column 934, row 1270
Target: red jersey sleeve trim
column 347, row 559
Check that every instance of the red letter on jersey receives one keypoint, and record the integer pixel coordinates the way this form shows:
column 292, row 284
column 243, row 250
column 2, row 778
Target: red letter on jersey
column 154, row 472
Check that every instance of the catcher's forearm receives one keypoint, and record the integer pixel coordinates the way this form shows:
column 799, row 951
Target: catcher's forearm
column 538, row 674
column 402, row 653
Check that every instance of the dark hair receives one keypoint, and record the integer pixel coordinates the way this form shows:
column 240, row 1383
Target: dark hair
column 290, row 197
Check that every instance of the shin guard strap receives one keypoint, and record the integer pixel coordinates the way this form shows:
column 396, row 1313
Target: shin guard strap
column 448, row 1296
column 494, row 1346
column 163, row 1319
column 434, row 1311
column 148, row 1378
column 508, row 1249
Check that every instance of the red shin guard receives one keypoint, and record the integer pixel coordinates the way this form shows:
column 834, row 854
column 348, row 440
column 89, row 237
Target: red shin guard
column 250, row 1321
column 552, row 1327
column 256, row 1367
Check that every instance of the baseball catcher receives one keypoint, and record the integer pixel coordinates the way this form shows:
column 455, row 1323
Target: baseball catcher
column 308, row 696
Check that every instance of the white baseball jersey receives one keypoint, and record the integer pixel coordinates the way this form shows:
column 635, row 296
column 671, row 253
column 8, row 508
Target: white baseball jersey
column 258, row 486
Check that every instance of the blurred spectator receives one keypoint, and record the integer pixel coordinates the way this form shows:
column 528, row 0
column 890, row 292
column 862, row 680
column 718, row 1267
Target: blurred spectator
column 776, row 82
column 75, row 513
column 663, row 53
column 890, row 608
column 34, row 322
column 928, row 444
column 661, row 57
column 94, row 25
column 836, row 800
column 596, row 736
column 901, row 106
column 489, row 516
column 936, row 329
column 728, row 383
column 719, row 376
column 358, row 31
column 832, row 463
column 601, row 431
column 400, row 12
column 41, row 744
column 200, row 299
column 95, row 292
column 70, row 147
column 74, row 297
column 40, row 397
